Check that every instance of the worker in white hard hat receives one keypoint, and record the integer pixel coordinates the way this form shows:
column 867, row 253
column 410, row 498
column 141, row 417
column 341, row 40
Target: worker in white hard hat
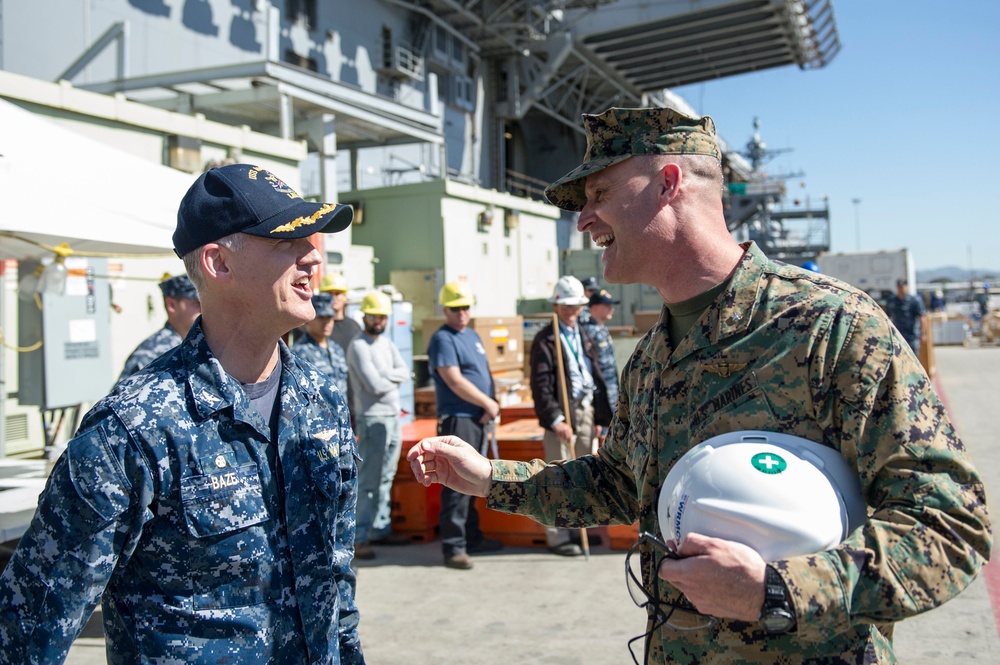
column 376, row 370
column 568, row 390
column 464, row 395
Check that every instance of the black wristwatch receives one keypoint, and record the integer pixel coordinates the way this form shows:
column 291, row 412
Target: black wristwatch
column 776, row 616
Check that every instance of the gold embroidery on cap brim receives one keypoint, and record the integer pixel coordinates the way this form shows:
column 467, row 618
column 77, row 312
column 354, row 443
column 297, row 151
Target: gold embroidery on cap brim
column 304, row 221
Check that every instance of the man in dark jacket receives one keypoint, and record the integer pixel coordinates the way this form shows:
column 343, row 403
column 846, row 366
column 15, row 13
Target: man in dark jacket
column 567, row 435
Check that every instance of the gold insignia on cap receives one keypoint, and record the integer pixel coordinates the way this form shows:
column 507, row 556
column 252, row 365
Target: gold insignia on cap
column 305, row 221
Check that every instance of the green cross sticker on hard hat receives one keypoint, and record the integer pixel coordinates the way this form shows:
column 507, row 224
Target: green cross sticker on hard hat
column 768, row 463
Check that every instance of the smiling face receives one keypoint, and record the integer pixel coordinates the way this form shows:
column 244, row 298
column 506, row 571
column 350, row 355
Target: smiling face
column 621, row 215
column 273, row 280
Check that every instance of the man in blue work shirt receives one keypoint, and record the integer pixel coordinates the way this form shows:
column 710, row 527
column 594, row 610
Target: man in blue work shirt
column 463, row 390
column 210, row 497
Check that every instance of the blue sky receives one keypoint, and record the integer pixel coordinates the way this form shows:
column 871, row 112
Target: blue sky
column 905, row 118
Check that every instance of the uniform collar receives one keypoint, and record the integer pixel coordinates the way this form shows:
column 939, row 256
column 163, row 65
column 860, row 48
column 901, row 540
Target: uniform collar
column 729, row 314
column 213, row 390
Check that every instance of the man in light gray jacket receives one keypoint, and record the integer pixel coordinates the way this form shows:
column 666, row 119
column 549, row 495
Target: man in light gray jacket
column 376, row 370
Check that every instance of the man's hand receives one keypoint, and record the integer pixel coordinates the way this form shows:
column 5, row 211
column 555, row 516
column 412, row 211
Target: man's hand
column 452, row 462
column 721, row 578
column 563, row 431
column 490, row 412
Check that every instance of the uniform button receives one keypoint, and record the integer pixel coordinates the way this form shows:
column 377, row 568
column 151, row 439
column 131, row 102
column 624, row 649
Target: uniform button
column 220, row 461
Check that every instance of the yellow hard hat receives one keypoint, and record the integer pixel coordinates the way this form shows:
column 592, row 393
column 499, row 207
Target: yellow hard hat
column 456, row 294
column 377, row 303
column 333, row 281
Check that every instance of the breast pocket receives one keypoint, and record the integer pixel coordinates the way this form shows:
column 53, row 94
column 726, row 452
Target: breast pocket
column 227, row 500
column 729, row 404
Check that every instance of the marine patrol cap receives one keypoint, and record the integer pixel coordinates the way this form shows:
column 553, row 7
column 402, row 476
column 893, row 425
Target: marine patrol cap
column 323, row 304
column 178, row 286
column 240, row 198
column 617, row 134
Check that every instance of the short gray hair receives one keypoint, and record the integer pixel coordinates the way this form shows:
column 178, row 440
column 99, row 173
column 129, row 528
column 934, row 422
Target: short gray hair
column 192, row 260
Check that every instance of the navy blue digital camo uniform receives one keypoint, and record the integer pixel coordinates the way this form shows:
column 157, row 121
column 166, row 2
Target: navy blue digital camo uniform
column 330, row 359
column 210, row 542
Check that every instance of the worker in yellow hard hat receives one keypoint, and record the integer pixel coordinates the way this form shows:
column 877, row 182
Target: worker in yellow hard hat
column 464, row 393
column 375, row 370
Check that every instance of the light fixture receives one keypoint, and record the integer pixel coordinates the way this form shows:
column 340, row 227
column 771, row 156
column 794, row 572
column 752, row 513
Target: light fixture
column 53, row 278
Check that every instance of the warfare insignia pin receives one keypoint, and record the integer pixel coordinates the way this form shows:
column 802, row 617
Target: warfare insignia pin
column 725, row 370
column 325, row 435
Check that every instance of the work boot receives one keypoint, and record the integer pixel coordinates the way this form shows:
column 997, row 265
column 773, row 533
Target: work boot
column 459, row 561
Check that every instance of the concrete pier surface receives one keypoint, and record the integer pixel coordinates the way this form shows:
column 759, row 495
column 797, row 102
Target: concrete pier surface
column 527, row 606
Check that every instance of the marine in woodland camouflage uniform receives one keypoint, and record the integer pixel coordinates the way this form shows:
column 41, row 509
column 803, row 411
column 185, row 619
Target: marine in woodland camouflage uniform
column 778, row 349
column 330, row 359
column 176, row 288
column 213, row 534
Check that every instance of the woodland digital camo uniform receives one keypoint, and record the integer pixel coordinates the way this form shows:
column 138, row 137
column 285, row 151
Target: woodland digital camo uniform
column 170, row 501
column 331, row 360
column 787, row 350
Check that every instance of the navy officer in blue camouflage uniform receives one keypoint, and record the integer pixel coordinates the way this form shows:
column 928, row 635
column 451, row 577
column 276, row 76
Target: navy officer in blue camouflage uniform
column 180, row 299
column 315, row 345
column 210, row 497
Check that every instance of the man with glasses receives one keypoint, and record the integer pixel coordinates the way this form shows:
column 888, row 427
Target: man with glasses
column 744, row 342
column 463, row 391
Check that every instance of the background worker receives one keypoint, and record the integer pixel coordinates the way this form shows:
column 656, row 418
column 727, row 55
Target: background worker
column 376, row 371
column 602, row 307
column 463, row 391
column 345, row 329
column 180, row 299
column 315, row 346
column 567, row 435
column 210, row 497
column 746, row 343
column 906, row 312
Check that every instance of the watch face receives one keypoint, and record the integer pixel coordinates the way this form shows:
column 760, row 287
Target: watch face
column 777, row 621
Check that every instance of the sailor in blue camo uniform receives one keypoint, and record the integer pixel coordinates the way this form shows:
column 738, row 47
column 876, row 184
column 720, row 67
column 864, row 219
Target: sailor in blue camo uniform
column 180, row 300
column 210, row 498
column 600, row 310
column 316, row 347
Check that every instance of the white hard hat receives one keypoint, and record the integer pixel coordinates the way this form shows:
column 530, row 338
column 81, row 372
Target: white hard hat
column 782, row 495
column 569, row 291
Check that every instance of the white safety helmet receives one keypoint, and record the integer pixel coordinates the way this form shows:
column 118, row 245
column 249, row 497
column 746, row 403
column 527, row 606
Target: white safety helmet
column 782, row 495
column 569, row 291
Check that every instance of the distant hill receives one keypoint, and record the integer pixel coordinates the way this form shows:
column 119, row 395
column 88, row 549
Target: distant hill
column 954, row 274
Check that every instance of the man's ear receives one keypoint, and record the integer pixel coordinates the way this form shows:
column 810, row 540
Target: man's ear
column 215, row 262
column 170, row 304
column 669, row 182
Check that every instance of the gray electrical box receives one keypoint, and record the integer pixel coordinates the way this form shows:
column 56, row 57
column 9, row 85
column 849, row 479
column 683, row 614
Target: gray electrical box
column 73, row 363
